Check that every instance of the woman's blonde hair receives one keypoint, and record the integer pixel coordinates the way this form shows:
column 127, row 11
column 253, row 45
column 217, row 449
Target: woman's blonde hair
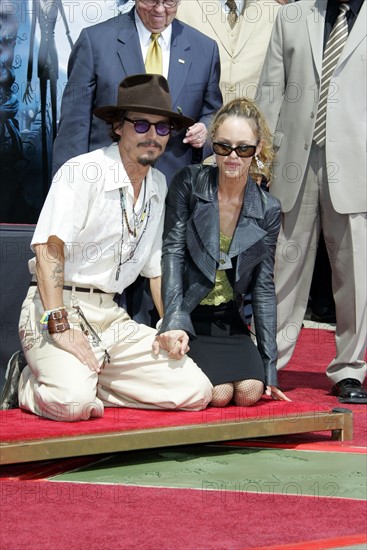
column 246, row 108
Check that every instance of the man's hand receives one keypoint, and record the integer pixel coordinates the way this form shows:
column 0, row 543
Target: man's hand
column 175, row 342
column 75, row 342
column 196, row 135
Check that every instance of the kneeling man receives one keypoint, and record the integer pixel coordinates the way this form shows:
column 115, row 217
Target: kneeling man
column 101, row 227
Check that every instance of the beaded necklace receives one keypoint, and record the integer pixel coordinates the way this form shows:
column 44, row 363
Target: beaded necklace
column 145, row 215
column 138, row 217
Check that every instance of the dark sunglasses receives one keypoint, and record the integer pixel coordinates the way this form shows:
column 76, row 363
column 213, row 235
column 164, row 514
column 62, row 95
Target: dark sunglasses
column 223, row 149
column 143, row 126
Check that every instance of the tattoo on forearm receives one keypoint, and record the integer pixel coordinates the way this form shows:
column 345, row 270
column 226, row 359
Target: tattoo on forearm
column 58, row 275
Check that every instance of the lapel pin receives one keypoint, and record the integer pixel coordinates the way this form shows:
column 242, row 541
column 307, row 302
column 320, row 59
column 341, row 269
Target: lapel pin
column 181, row 61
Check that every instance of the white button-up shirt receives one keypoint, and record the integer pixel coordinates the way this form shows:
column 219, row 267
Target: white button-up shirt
column 83, row 209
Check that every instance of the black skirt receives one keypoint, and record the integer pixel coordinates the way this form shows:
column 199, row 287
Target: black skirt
column 223, row 348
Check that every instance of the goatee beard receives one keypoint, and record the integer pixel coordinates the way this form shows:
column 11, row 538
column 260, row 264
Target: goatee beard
column 146, row 162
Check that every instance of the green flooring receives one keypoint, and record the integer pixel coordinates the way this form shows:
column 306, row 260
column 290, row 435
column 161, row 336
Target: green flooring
column 214, row 468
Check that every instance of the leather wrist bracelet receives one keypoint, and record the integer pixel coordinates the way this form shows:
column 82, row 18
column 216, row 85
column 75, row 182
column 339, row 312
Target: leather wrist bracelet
column 58, row 321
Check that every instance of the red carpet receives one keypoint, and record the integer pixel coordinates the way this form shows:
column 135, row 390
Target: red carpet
column 304, row 381
column 61, row 516
column 40, row 514
column 18, row 425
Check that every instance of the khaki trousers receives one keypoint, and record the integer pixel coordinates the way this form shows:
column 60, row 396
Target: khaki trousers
column 56, row 385
column 346, row 243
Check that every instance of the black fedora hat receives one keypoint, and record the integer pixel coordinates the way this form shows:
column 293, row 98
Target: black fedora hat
column 144, row 93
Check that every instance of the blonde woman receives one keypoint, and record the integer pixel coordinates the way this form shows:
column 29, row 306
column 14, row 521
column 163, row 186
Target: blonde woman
column 219, row 243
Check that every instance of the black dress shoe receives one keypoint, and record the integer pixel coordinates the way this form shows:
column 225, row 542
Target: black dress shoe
column 350, row 390
column 323, row 315
column 9, row 395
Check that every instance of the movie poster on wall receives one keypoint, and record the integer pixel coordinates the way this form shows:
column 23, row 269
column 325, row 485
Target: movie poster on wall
column 36, row 37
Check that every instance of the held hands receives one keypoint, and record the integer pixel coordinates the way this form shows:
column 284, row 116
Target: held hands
column 275, row 393
column 75, row 342
column 196, row 135
column 175, row 342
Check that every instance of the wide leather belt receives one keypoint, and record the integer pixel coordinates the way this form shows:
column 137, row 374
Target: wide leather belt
column 90, row 290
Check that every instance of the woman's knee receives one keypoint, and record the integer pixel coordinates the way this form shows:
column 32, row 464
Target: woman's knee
column 248, row 392
column 222, row 395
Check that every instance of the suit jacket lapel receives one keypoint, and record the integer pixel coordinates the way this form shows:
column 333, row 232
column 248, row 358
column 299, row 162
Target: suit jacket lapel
column 128, row 49
column 213, row 15
column 357, row 34
column 316, row 33
column 180, row 60
column 248, row 26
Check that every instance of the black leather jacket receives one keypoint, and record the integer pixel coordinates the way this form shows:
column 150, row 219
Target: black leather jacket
column 190, row 254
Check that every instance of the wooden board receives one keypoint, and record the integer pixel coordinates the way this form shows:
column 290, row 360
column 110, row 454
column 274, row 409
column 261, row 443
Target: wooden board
column 339, row 423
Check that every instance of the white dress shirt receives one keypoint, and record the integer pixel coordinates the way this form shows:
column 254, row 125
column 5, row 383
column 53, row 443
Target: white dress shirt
column 83, row 209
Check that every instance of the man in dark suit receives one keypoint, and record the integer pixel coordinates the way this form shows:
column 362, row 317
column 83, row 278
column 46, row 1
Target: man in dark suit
column 107, row 52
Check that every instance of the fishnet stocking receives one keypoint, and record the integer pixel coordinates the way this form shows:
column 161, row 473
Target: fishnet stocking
column 247, row 392
column 222, row 394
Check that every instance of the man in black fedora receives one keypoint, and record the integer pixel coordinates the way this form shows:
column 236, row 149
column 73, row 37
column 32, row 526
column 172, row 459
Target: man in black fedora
column 100, row 228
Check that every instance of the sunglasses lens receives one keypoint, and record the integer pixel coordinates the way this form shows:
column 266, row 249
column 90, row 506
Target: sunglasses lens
column 141, row 126
column 162, row 128
column 246, row 150
column 222, row 149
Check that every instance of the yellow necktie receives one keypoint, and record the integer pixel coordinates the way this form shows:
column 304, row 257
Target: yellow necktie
column 154, row 61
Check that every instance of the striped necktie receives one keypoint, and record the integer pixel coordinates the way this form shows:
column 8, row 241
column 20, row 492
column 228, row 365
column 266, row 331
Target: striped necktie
column 232, row 15
column 154, row 60
column 333, row 49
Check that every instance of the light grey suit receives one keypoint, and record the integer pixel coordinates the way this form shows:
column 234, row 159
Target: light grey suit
column 319, row 187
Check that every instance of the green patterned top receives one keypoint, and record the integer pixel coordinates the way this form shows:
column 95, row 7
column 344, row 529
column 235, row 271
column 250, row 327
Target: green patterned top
column 222, row 291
